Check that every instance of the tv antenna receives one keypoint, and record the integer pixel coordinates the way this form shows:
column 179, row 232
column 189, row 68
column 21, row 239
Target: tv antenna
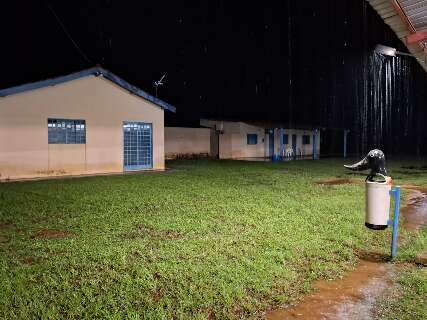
column 159, row 83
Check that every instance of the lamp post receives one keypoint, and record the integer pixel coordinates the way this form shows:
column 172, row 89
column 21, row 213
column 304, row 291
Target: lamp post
column 315, row 134
column 346, row 131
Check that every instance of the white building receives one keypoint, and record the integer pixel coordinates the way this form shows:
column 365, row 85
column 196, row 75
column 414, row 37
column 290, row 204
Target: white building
column 240, row 140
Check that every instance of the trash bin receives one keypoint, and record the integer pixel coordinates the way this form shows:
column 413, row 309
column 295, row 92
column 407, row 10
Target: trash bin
column 377, row 202
column 379, row 190
column 378, row 187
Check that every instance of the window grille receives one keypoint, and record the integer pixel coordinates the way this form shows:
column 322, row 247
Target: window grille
column 63, row 131
column 138, row 146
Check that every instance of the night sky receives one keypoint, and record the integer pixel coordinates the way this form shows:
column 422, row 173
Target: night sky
column 296, row 62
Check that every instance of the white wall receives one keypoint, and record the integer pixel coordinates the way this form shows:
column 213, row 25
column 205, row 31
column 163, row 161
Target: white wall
column 233, row 140
column 306, row 149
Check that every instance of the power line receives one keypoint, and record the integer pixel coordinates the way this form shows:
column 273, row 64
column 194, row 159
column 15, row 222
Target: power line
column 68, row 34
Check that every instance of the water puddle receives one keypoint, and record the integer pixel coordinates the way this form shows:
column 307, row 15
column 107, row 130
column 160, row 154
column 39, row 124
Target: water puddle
column 353, row 297
column 415, row 212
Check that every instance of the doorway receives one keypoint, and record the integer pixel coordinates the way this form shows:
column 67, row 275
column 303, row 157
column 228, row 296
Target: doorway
column 294, row 144
column 137, row 146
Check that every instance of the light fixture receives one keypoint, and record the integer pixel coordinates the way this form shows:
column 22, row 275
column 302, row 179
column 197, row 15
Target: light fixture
column 389, row 51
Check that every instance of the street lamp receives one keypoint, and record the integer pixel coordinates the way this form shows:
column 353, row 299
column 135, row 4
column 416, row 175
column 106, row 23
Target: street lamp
column 389, row 51
column 392, row 52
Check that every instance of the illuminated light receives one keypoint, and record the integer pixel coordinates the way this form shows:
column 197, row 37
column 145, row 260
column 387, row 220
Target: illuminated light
column 387, row 51
column 392, row 52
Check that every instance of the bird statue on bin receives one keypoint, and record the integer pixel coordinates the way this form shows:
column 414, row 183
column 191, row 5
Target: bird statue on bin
column 375, row 161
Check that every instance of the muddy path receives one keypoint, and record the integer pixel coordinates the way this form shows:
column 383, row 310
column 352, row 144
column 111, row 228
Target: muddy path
column 415, row 209
column 354, row 296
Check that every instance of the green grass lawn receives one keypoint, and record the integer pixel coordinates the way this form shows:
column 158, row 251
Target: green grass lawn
column 224, row 239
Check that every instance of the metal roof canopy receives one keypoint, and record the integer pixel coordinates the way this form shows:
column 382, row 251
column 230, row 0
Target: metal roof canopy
column 95, row 71
column 408, row 19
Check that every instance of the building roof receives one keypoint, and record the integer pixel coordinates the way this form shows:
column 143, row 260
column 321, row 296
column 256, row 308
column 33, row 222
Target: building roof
column 278, row 124
column 95, row 71
column 407, row 18
column 266, row 124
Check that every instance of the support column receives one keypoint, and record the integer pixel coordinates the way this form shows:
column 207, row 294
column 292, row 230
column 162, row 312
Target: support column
column 272, row 143
column 276, row 155
column 346, row 131
column 314, row 153
column 281, row 143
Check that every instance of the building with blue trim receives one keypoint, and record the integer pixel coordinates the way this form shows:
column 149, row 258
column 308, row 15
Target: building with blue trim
column 255, row 140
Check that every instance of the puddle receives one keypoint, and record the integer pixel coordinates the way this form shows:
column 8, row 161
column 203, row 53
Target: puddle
column 353, row 297
column 51, row 234
column 29, row 261
column 415, row 212
column 6, row 226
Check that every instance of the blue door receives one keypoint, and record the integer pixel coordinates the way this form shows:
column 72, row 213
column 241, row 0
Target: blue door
column 137, row 146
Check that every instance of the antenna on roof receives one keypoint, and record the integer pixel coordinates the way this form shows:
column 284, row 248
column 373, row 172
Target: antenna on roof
column 159, row 83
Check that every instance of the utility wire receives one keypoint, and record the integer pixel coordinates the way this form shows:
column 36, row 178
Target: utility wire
column 68, row 34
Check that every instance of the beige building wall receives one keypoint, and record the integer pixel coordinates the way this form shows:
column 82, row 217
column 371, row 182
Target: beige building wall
column 225, row 146
column 214, row 153
column 233, row 139
column 187, row 141
column 24, row 148
column 240, row 146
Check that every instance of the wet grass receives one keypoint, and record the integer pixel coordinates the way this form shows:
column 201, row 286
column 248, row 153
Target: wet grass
column 209, row 239
column 409, row 300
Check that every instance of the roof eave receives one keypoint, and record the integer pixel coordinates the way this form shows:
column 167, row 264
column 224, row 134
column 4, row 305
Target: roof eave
column 387, row 11
column 95, row 71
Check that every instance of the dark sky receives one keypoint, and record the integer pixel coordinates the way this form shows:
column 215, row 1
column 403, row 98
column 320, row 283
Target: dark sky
column 226, row 59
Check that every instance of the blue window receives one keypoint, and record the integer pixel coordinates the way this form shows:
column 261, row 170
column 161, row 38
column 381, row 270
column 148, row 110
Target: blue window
column 305, row 139
column 285, row 139
column 62, row 131
column 252, row 138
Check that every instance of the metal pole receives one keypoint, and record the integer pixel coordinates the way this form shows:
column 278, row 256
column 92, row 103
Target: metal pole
column 395, row 222
column 281, row 143
column 271, row 143
column 345, row 143
column 314, row 145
